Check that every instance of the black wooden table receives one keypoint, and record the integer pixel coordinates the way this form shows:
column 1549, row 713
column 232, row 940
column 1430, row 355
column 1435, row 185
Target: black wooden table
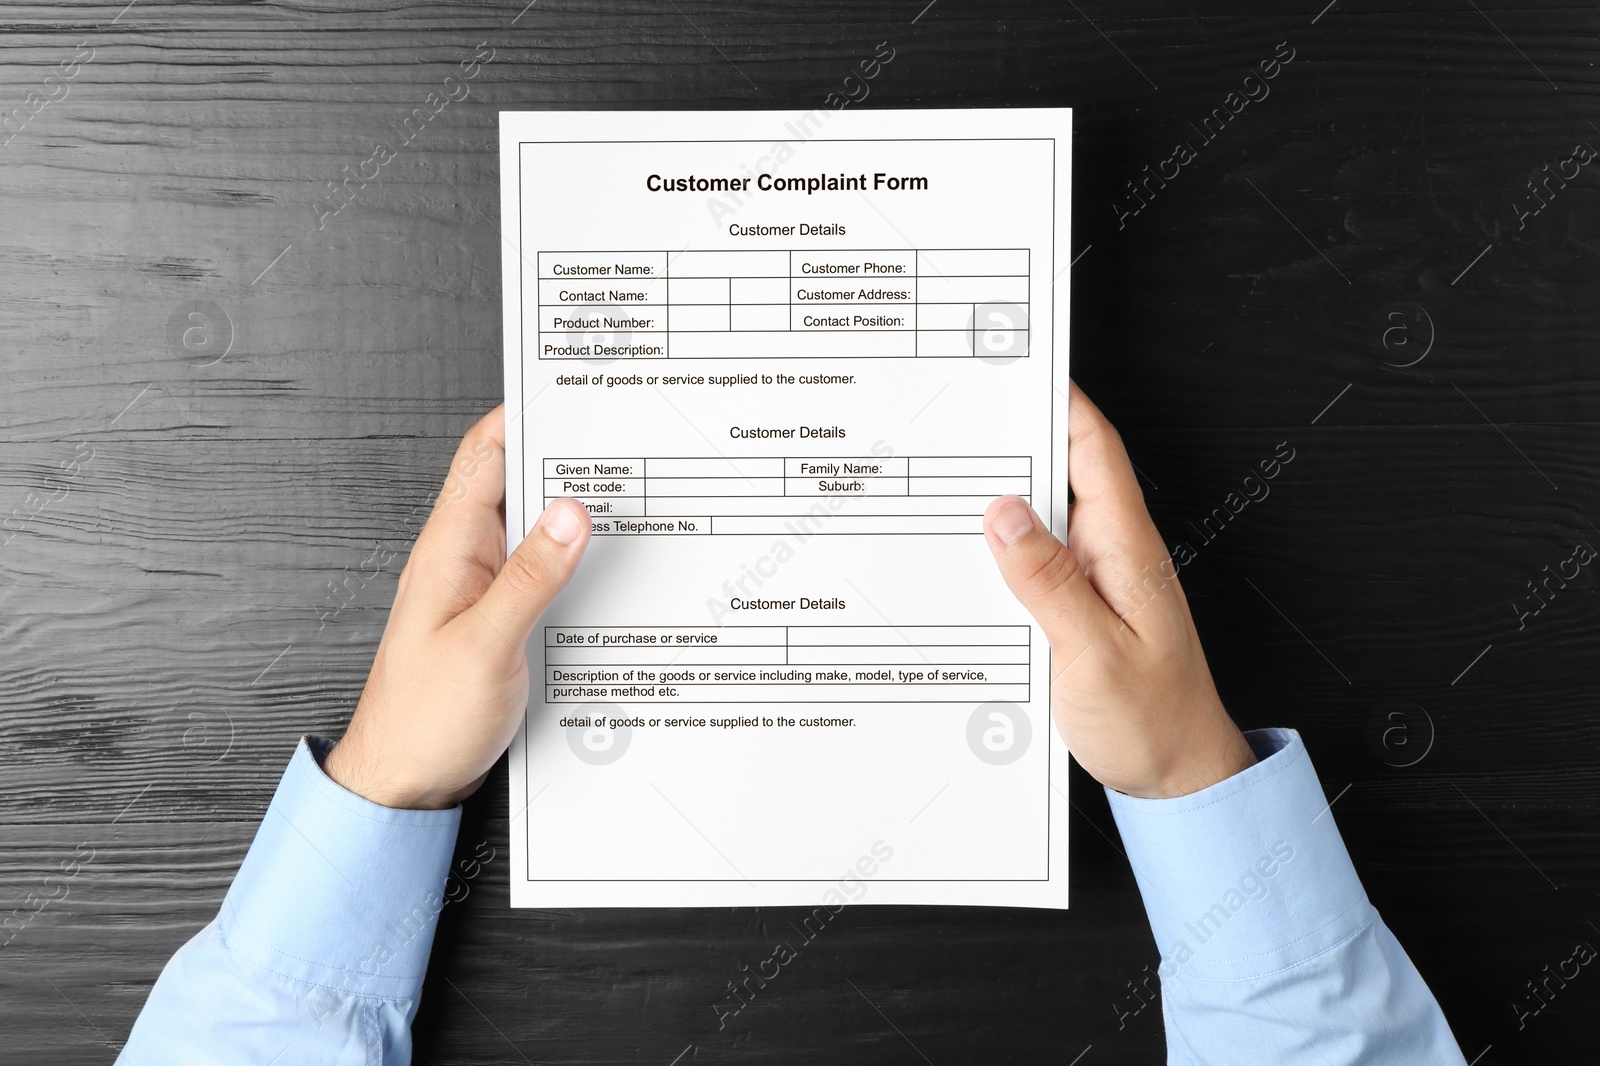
column 1348, row 261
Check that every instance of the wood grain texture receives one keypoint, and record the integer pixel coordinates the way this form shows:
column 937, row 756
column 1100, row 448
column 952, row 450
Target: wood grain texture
column 198, row 592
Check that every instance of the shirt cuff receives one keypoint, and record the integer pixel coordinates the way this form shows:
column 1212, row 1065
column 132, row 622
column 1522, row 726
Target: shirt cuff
column 1249, row 876
column 337, row 891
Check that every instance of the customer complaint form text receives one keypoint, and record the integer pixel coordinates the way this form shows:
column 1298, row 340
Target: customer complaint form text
column 786, row 375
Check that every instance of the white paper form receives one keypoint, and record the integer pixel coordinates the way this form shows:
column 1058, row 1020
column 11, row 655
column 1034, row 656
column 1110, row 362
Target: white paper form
column 786, row 361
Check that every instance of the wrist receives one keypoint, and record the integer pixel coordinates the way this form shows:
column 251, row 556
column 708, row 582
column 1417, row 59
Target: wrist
column 1210, row 751
column 1205, row 764
column 353, row 769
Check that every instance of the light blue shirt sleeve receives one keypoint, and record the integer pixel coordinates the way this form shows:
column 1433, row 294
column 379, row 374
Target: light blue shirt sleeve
column 319, row 951
column 1270, row 951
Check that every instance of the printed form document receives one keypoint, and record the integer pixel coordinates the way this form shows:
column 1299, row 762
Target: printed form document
column 786, row 361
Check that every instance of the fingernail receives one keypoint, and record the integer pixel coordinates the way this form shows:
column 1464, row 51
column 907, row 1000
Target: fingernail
column 1011, row 520
column 560, row 524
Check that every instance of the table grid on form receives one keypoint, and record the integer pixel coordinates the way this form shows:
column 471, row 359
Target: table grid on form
column 811, row 495
column 787, row 664
column 783, row 304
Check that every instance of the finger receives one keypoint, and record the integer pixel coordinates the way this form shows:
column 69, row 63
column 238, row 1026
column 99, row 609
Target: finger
column 534, row 573
column 1045, row 577
column 1097, row 461
column 477, row 477
column 1110, row 530
column 462, row 545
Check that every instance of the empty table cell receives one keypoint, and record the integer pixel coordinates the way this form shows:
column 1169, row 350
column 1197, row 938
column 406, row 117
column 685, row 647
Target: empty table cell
column 944, row 343
column 970, row 486
column 591, row 467
column 583, row 292
column 715, row 467
column 689, row 318
column 758, row 317
column 897, row 525
column 970, row 466
column 992, row 262
column 854, row 265
column 674, row 506
column 722, row 506
column 853, row 317
column 808, row 512
column 866, row 466
column 682, row 291
column 1000, row 316
column 966, row 288
column 751, row 264
column 796, row 344
column 606, row 506
column 594, row 487
column 866, row 636
column 606, row 266
column 756, row 290
column 1001, row 343
column 714, row 486
column 911, row 504
column 625, row 637
column 944, row 316
column 805, row 293
column 926, row 654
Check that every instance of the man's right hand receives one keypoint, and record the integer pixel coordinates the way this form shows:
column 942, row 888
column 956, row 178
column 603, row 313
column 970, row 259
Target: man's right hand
column 1131, row 692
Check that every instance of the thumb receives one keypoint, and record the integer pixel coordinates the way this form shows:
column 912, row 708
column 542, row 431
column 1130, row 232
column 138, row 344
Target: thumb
column 533, row 573
column 1045, row 577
